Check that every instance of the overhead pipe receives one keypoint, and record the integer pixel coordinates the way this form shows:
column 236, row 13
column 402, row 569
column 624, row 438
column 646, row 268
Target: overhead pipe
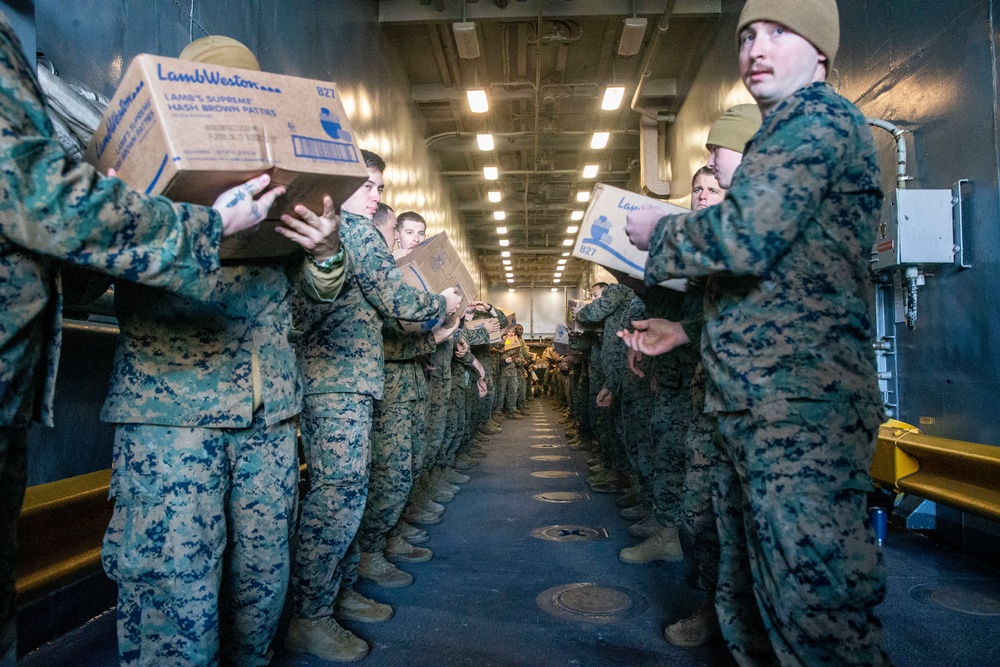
column 509, row 135
column 647, row 65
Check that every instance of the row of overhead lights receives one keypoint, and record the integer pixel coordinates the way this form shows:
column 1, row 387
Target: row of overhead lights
column 479, row 103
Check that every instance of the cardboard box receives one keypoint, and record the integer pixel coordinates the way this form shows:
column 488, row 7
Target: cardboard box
column 434, row 266
column 495, row 336
column 510, row 315
column 560, row 342
column 190, row 131
column 602, row 238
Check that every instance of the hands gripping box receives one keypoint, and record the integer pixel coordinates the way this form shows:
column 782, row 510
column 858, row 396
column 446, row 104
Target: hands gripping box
column 190, row 131
column 434, row 266
column 491, row 324
column 602, row 238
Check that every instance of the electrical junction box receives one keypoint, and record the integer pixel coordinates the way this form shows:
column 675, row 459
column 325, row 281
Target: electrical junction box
column 916, row 228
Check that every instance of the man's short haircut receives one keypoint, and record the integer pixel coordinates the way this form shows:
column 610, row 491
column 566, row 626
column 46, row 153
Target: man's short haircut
column 372, row 160
column 704, row 171
column 409, row 215
column 381, row 214
column 601, row 285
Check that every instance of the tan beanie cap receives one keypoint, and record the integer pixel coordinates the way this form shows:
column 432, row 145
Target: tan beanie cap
column 734, row 128
column 818, row 21
column 219, row 50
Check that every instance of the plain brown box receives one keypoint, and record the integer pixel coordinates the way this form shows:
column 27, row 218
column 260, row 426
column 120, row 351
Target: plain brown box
column 495, row 336
column 190, row 131
column 434, row 266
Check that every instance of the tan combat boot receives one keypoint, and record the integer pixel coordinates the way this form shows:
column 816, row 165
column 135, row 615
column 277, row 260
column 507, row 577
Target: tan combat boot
column 695, row 630
column 323, row 637
column 663, row 544
column 376, row 569
column 453, row 476
column 353, row 606
column 412, row 534
column 398, row 550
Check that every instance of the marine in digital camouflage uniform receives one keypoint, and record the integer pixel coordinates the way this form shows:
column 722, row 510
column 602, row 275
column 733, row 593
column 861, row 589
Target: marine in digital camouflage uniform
column 789, row 363
column 340, row 360
column 89, row 221
column 510, row 373
column 607, row 310
column 396, row 426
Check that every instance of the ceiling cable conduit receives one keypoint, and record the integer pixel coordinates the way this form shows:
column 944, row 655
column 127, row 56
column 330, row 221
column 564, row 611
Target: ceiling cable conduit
column 647, row 65
column 897, row 134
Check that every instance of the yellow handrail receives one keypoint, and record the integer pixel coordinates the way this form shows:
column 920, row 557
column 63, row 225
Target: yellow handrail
column 964, row 475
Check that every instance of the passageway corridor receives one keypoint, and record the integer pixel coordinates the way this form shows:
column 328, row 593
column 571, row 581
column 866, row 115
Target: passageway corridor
column 526, row 572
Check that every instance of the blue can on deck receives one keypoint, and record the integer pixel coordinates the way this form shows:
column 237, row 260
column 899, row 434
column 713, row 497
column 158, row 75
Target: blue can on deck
column 880, row 523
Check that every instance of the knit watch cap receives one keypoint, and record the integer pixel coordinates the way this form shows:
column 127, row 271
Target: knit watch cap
column 818, row 21
column 734, row 128
column 219, row 50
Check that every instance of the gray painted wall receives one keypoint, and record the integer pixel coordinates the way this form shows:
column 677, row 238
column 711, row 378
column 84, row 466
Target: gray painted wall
column 92, row 41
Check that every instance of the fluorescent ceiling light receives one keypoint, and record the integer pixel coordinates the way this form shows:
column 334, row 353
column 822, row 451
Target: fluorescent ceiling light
column 494, row 196
column 590, row 171
column 573, row 229
column 510, row 280
column 501, row 230
column 567, row 241
column 510, row 289
column 478, row 102
column 510, row 275
column 506, row 262
column 492, row 173
column 562, row 261
column 583, row 195
column 632, row 33
column 505, row 253
column 468, row 43
column 504, row 243
column 612, row 97
column 576, row 215
column 485, row 142
column 600, row 140
column 555, row 289
column 557, row 274
column 499, row 215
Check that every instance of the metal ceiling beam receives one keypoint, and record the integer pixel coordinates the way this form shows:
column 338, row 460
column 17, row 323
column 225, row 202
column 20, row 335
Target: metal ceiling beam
column 429, row 93
column 412, row 11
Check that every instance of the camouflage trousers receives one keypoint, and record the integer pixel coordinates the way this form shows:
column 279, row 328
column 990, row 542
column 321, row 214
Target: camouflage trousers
column 471, row 413
column 199, row 540
column 612, row 449
column 455, row 429
column 522, row 390
column 697, row 513
column 336, row 430
column 391, row 473
column 438, row 395
column 670, row 421
column 633, row 409
column 13, row 477
column 800, row 573
column 509, row 389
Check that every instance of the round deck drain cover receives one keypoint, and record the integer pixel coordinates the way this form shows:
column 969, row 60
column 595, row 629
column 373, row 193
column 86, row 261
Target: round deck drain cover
column 554, row 474
column 958, row 598
column 569, row 534
column 591, row 603
column 560, row 497
column 550, row 457
column 547, row 445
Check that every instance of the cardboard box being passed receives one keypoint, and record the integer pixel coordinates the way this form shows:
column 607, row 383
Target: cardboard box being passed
column 602, row 238
column 190, row 131
column 434, row 266
column 496, row 335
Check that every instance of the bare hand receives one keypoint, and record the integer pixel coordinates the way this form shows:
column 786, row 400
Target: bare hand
column 461, row 348
column 634, row 357
column 399, row 253
column 482, row 387
column 639, row 226
column 453, row 299
column 444, row 330
column 319, row 235
column 654, row 337
column 239, row 209
column 604, row 398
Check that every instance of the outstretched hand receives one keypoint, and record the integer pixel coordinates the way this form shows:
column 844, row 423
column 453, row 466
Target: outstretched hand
column 639, row 226
column 319, row 235
column 239, row 208
column 654, row 337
